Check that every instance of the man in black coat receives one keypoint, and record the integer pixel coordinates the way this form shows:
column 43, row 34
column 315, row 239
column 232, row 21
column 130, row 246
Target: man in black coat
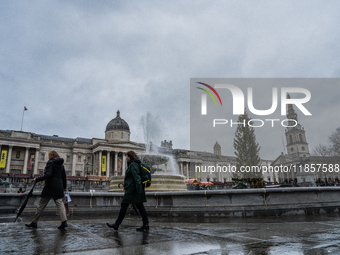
column 55, row 185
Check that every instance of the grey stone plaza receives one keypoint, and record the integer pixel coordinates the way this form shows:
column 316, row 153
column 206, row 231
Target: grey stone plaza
column 272, row 235
column 297, row 221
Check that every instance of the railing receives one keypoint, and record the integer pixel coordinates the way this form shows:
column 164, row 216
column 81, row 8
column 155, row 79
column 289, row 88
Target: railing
column 72, row 184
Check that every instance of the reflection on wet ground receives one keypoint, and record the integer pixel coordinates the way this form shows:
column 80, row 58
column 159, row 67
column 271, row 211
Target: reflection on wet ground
column 285, row 235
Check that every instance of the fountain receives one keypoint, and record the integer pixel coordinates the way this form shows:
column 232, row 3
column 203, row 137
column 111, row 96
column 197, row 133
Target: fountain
column 164, row 170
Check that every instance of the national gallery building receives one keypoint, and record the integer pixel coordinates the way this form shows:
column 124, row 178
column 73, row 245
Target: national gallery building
column 26, row 154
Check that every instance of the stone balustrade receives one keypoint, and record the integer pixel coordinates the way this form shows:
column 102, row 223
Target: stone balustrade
column 205, row 203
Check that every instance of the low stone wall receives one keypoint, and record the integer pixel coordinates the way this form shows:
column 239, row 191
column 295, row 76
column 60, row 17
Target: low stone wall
column 207, row 203
column 159, row 183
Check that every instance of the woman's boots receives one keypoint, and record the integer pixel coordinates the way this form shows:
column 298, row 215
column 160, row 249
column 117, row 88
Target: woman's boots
column 63, row 225
column 112, row 225
column 143, row 228
column 31, row 225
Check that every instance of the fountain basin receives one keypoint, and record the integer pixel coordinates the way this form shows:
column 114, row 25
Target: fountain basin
column 158, row 183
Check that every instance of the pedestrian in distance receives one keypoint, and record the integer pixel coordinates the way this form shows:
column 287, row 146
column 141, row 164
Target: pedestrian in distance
column 55, row 185
column 134, row 193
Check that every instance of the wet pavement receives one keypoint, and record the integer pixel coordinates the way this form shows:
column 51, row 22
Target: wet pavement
column 285, row 235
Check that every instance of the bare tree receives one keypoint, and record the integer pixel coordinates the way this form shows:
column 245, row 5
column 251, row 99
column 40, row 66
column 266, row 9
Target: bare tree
column 334, row 139
column 321, row 150
column 327, row 154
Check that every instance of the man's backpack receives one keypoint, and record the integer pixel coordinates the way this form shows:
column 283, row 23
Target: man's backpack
column 145, row 174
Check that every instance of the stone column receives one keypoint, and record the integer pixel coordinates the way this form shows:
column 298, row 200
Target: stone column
column 188, row 170
column 36, row 160
column 201, row 166
column 9, row 157
column 25, row 160
column 74, row 160
column 100, row 163
column 92, row 163
column 290, row 174
column 124, row 163
column 184, row 169
column 219, row 174
column 84, row 165
column 116, row 164
column 108, row 164
column 181, row 168
column 196, row 173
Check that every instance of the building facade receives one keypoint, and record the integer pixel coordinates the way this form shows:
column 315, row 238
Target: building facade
column 212, row 167
column 297, row 165
column 27, row 153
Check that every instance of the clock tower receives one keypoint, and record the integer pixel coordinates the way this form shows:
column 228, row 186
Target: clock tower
column 295, row 136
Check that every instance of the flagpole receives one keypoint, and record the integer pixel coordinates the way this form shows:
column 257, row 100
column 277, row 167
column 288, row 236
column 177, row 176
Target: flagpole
column 22, row 121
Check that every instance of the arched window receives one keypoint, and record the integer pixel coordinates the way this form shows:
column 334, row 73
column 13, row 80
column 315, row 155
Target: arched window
column 300, row 136
column 290, row 139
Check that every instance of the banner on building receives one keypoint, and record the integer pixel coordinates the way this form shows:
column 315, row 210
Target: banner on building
column 3, row 159
column 198, row 173
column 103, row 163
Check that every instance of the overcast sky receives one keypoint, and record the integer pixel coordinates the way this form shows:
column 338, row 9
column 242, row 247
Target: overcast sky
column 73, row 64
column 269, row 129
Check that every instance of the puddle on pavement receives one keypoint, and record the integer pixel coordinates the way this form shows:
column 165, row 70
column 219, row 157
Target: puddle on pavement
column 174, row 236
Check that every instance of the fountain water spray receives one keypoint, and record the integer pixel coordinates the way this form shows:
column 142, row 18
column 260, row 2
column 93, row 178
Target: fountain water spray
column 159, row 162
column 165, row 169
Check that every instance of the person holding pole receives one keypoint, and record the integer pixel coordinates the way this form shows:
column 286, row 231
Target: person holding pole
column 55, row 186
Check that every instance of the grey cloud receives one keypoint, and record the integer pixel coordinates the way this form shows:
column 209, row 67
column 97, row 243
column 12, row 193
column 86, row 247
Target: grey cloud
column 74, row 64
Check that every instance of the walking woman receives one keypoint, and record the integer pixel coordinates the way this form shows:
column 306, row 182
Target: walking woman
column 55, row 186
column 134, row 193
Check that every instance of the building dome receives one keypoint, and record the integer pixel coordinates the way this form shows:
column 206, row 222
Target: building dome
column 117, row 124
column 217, row 149
column 217, row 146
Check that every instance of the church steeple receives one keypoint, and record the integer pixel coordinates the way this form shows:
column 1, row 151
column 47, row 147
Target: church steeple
column 291, row 115
column 217, row 149
column 295, row 135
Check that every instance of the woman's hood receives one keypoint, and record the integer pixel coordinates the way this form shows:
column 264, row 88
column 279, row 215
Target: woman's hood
column 135, row 160
column 57, row 161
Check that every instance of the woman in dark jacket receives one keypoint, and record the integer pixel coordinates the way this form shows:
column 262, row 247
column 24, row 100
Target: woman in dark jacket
column 55, row 186
column 134, row 192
